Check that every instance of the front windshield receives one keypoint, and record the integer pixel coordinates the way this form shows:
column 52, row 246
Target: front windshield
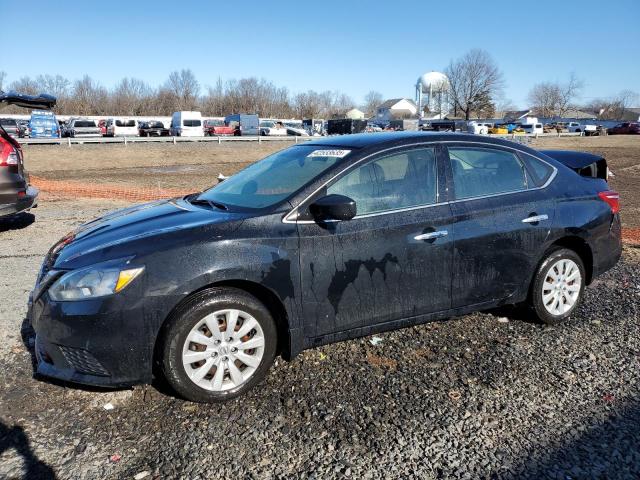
column 274, row 178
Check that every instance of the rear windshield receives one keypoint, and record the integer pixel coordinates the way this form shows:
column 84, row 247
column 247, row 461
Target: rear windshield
column 191, row 123
column 43, row 121
column 7, row 121
column 215, row 123
column 85, row 123
column 125, row 123
column 156, row 125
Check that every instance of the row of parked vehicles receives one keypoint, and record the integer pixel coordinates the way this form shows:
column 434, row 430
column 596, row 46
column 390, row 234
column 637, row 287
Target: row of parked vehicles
column 535, row 127
column 43, row 124
column 183, row 124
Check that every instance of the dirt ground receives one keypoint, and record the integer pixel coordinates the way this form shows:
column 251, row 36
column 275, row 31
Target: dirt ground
column 194, row 166
column 182, row 166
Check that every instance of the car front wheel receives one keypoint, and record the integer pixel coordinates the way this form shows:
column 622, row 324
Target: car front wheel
column 558, row 286
column 218, row 345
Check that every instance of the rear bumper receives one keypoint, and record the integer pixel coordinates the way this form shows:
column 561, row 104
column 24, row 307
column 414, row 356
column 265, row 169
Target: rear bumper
column 20, row 204
column 608, row 248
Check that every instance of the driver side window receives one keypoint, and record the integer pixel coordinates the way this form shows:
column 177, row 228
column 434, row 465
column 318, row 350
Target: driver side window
column 401, row 180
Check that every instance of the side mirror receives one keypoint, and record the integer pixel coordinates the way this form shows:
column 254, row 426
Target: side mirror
column 333, row 207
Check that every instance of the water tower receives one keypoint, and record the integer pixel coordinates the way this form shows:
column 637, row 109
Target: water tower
column 432, row 95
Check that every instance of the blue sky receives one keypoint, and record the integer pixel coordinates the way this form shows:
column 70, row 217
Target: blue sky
column 351, row 46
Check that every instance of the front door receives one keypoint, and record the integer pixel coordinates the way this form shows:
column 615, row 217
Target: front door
column 393, row 260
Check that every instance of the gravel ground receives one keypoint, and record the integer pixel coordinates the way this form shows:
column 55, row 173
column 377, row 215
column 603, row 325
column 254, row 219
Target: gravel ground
column 481, row 396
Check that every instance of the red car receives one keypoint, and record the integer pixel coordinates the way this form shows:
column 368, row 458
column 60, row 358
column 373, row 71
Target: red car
column 626, row 128
column 217, row 127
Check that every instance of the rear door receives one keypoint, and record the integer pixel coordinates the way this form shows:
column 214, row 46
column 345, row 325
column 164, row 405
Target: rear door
column 501, row 218
column 391, row 261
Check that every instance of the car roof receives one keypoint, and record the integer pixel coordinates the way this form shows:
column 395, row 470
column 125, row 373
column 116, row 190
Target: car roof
column 364, row 140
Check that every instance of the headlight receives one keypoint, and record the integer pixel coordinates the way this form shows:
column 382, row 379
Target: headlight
column 92, row 282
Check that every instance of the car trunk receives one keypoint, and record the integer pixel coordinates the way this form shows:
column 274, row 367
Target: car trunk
column 585, row 164
column 14, row 180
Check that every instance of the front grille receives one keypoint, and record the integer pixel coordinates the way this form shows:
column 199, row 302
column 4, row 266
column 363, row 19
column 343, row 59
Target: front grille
column 83, row 362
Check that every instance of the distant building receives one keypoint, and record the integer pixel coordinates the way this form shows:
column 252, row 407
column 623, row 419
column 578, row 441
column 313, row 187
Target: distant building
column 395, row 109
column 579, row 114
column 631, row 115
column 354, row 114
column 514, row 116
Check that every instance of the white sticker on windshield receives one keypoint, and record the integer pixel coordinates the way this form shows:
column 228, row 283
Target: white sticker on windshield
column 329, row 153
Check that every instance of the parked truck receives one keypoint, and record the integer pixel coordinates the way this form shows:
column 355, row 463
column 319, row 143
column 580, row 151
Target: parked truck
column 343, row 126
column 243, row 124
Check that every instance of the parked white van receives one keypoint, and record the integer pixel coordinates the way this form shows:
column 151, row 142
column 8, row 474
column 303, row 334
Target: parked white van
column 479, row 128
column 186, row 124
column 533, row 128
column 121, row 127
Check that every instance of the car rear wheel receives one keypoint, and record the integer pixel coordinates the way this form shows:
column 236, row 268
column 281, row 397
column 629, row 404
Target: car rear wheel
column 558, row 286
column 219, row 344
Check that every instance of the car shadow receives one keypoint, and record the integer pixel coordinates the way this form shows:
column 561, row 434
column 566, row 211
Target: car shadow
column 17, row 222
column 15, row 438
column 597, row 453
column 515, row 312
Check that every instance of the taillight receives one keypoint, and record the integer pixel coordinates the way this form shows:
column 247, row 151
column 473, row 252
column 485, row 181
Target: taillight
column 612, row 199
column 8, row 154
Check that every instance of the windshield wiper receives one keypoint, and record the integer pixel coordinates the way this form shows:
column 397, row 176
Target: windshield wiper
column 203, row 201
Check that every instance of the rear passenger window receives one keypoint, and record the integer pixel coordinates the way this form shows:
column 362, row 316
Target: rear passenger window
column 539, row 171
column 402, row 180
column 485, row 171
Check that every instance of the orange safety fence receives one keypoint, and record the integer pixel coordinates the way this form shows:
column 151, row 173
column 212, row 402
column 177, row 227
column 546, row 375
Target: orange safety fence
column 631, row 235
column 72, row 189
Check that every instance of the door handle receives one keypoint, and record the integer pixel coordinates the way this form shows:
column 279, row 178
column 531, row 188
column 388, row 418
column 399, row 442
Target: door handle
column 535, row 218
column 431, row 235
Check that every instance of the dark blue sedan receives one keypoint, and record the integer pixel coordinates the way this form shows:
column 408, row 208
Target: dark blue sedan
column 321, row 242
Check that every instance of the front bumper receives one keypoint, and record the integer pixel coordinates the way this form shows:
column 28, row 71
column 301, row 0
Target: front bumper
column 21, row 204
column 102, row 342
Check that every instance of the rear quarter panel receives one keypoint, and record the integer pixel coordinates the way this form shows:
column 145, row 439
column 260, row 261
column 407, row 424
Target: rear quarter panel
column 581, row 213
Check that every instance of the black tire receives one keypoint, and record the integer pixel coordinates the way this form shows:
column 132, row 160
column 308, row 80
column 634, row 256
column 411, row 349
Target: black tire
column 535, row 296
column 174, row 334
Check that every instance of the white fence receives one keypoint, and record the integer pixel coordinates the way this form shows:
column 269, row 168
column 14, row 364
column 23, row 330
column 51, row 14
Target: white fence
column 127, row 140
column 258, row 139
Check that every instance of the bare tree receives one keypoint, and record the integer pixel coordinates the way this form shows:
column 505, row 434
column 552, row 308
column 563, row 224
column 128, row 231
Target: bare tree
column 613, row 108
column 473, row 79
column 550, row 99
column 372, row 101
column 130, row 97
column 308, row 104
column 25, row 85
column 58, row 86
column 184, row 86
column 181, row 92
column 89, row 98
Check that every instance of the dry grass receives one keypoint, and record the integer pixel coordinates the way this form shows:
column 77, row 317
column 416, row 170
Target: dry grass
column 194, row 166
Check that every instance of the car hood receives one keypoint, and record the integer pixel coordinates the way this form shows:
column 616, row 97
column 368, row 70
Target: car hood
column 125, row 232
